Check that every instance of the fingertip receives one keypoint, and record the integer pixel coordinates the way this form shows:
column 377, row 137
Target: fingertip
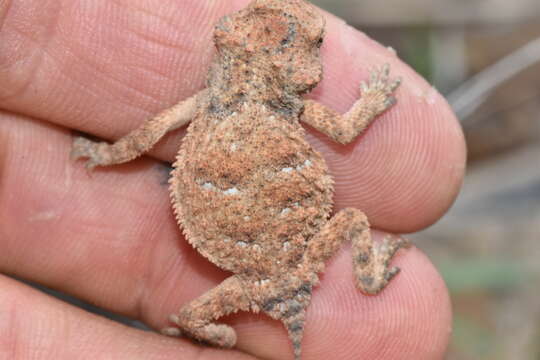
column 409, row 319
column 406, row 169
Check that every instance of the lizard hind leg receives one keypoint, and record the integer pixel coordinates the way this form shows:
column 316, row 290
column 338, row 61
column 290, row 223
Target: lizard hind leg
column 371, row 260
column 196, row 319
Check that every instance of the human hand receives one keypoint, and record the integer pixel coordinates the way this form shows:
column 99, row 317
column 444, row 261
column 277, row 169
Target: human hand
column 109, row 237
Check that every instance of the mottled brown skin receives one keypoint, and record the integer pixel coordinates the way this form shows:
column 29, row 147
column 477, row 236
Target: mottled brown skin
column 250, row 193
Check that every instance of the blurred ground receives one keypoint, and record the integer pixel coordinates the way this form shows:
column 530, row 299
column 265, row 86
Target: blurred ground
column 485, row 56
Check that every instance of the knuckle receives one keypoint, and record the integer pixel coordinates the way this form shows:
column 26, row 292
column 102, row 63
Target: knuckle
column 25, row 29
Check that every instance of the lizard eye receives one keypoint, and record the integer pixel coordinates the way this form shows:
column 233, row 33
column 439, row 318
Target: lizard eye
column 319, row 42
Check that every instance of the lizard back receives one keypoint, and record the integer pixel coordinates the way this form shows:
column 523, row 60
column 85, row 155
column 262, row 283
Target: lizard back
column 249, row 191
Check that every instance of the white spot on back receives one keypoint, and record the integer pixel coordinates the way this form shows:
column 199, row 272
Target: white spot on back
column 286, row 246
column 234, row 147
column 242, row 244
column 306, row 163
column 262, row 282
column 231, row 191
column 285, row 211
column 287, row 170
column 208, row 186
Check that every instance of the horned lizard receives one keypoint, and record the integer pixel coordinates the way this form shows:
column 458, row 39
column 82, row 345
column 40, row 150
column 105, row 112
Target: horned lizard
column 250, row 193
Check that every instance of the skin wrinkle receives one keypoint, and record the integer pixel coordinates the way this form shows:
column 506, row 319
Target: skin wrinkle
column 123, row 98
column 17, row 91
column 114, row 94
column 96, row 67
column 173, row 42
column 9, row 328
column 178, row 28
column 144, row 286
column 5, row 8
column 144, row 305
column 147, row 12
column 44, row 39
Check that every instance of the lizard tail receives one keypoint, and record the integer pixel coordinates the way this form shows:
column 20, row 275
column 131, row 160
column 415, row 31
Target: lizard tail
column 291, row 311
column 295, row 328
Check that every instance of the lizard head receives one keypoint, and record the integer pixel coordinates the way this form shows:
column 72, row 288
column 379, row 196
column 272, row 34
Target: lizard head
column 279, row 37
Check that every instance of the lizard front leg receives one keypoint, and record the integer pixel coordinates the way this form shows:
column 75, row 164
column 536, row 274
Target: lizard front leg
column 137, row 141
column 376, row 97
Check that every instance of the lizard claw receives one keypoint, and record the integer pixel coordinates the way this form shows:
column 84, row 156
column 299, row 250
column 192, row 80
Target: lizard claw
column 84, row 148
column 379, row 90
column 380, row 82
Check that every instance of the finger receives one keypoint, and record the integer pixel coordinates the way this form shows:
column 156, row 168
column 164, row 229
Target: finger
column 34, row 325
column 109, row 238
column 344, row 324
column 406, row 170
column 138, row 58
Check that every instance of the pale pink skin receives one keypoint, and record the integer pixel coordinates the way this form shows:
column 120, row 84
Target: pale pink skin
column 109, row 238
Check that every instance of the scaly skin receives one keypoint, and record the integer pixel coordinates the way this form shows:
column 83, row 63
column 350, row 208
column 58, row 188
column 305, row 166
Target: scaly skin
column 250, row 193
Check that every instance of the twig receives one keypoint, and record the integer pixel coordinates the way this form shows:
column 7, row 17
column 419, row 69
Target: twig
column 473, row 92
